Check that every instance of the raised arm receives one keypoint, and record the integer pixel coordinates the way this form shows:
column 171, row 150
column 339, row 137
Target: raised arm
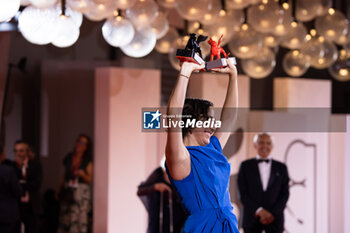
column 177, row 156
column 230, row 109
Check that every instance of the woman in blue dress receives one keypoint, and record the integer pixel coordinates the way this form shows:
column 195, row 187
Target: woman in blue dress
column 195, row 163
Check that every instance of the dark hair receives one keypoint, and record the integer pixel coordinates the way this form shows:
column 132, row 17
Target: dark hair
column 194, row 108
column 1, row 149
column 21, row 141
column 89, row 148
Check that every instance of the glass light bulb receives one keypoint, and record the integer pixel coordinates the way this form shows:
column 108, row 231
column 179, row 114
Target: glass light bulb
column 264, row 17
column 160, row 25
column 237, row 4
column 261, row 65
column 143, row 13
column 43, row 3
column 295, row 63
column 124, row 4
column 340, row 70
column 163, row 45
column 8, row 9
column 246, row 42
column 307, row 10
column 68, row 33
column 211, row 16
column 332, row 26
column 142, row 44
column 330, row 55
column 295, row 37
column 193, row 10
column 38, row 26
column 81, row 5
column 118, row 31
column 313, row 49
column 100, row 11
column 167, row 3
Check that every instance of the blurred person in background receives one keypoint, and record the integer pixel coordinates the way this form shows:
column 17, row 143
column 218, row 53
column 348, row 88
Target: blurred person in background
column 74, row 191
column 29, row 171
column 165, row 210
column 4, row 160
column 10, row 192
column 264, row 189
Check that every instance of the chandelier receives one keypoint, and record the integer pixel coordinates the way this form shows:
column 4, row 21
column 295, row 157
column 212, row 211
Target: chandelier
column 253, row 30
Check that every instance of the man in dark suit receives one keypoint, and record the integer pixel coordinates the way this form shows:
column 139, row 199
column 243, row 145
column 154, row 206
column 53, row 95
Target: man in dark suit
column 264, row 190
column 29, row 171
column 10, row 192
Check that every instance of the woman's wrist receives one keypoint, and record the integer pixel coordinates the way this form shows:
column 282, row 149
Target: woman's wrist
column 183, row 75
column 232, row 75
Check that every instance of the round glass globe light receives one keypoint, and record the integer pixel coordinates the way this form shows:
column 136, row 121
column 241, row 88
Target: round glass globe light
column 284, row 23
column 344, row 39
column 167, row 3
column 68, row 32
column 323, row 7
column 76, row 16
column 38, row 26
column 100, row 11
column 340, row 70
column 270, row 40
column 307, row 10
column 253, row 2
column 142, row 43
column 101, row 1
column 160, row 25
column 264, row 17
column 211, row 16
column 193, row 26
column 25, row 2
column 43, row 3
column 8, row 9
column 118, row 31
column 143, row 13
column 295, row 63
column 193, row 10
column 237, row 4
column 329, row 57
column 231, row 18
column 124, row 4
column 313, row 49
column 261, row 65
column 332, row 26
column 246, row 42
column 163, row 45
column 296, row 36
column 81, row 5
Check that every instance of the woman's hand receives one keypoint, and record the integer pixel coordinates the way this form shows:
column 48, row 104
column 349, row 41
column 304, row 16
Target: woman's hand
column 188, row 67
column 81, row 173
column 229, row 69
column 161, row 187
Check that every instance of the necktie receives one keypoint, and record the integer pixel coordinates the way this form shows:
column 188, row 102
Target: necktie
column 263, row 160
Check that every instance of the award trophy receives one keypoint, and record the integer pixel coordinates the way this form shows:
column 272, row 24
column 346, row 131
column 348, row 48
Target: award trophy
column 216, row 50
column 192, row 52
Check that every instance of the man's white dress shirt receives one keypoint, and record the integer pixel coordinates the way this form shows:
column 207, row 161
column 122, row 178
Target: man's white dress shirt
column 265, row 171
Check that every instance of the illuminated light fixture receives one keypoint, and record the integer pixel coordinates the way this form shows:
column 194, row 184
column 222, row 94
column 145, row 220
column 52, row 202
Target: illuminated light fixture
column 8, row 9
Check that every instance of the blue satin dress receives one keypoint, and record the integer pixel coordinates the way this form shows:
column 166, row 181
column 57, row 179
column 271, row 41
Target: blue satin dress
column 205, row 191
